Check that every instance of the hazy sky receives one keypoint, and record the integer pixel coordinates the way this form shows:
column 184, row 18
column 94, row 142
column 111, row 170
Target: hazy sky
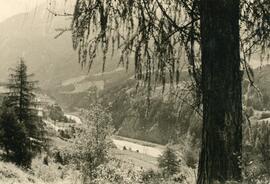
column 9, row 8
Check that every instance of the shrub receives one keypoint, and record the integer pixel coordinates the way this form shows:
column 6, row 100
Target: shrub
column 150, row 176
column 63, row 157
column 116, row 171
column 191, row 158
column 50, row 173
column 64, row 134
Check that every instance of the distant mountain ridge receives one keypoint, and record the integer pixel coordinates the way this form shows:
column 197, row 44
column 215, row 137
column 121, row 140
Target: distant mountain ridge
column 32, row 36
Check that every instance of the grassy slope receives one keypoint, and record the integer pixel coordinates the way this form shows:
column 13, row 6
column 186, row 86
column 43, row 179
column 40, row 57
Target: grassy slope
column 40, row 174
column 11, row 174
column 139, row 160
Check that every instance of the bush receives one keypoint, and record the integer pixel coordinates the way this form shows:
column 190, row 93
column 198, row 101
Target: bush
column 116, row 171
column 150, row 176
column 64, row 134
column 63, row 157
column 50, row 173
column 156, row 177
column 57, row 114
column 191, row 158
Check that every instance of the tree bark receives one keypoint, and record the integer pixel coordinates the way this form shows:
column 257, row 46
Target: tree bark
column 221, row 151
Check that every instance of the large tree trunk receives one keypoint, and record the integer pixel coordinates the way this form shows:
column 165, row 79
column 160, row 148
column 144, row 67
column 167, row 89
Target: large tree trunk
column 221, row 82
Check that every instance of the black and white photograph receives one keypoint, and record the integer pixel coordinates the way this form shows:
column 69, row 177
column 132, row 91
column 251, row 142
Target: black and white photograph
column 134, row 91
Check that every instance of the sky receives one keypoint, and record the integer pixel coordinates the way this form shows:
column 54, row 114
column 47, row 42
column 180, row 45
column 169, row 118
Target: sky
column 9, row 8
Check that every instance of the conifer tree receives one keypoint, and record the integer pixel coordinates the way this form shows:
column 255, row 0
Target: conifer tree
column 22, row 99
column 21, row 93
column 13, row 137
column 168, row 161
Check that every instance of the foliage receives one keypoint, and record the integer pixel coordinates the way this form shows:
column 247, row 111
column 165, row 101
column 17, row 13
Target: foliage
column 116, row 171
column 58, row 158
column 119, row 104
column 92, row 143
column 191, row 152
column 13, row 138
column 62, row 156
column 52, row 172
column 30, row 130
column 64, row 134
column 156, row 177
column 259, row 97
column 256, row 158
column 21, row 94
column 11, row 173
column 56, row 113
column 163, row 33
column 168, row 162
column 150, row 175
column 167, row 118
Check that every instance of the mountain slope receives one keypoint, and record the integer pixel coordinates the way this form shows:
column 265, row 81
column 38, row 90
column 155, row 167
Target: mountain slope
column 32, row 36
